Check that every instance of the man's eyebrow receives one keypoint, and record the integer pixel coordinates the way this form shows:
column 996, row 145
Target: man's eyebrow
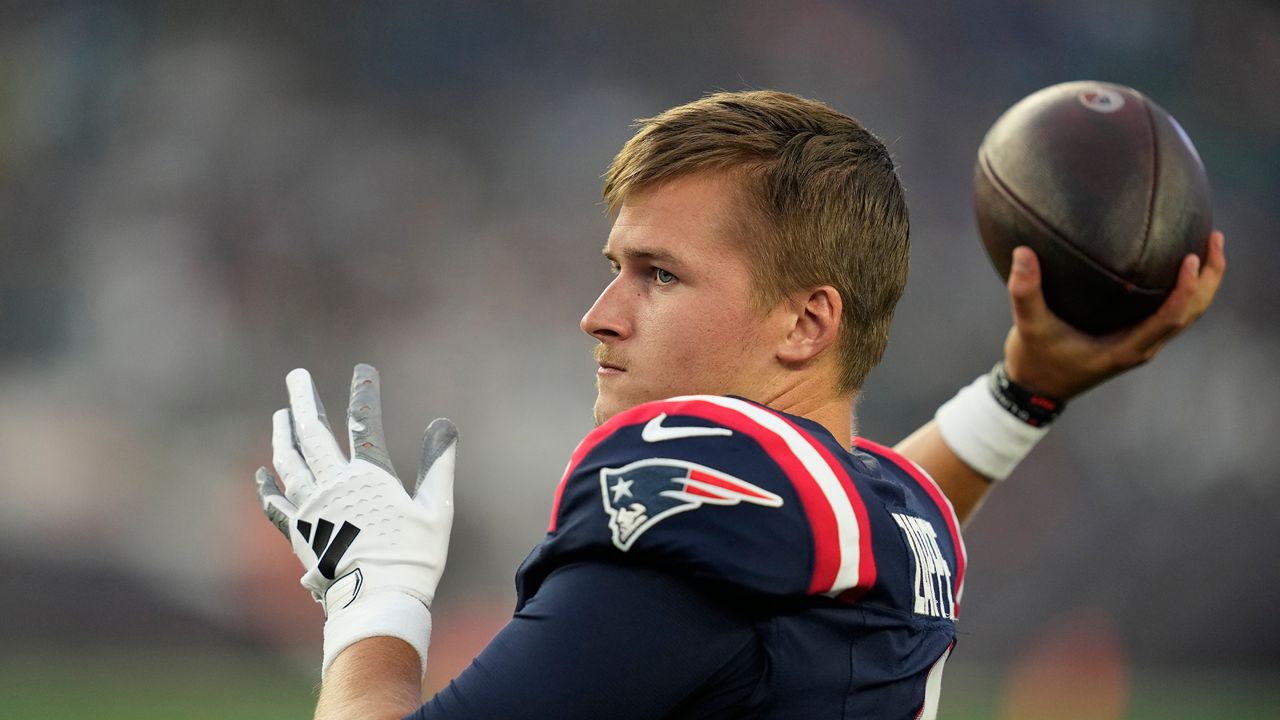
column 660, row 256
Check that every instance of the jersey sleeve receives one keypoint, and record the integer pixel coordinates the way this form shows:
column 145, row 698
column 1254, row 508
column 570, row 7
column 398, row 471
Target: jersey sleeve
column 712, row 488
column 929, row 527
column 612, row 641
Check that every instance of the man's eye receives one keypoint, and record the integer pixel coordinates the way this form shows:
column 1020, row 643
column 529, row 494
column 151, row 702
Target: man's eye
column 663, row 277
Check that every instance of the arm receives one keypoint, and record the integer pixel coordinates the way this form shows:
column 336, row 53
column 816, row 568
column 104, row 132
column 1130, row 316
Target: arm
column 1045, row 354
column 378, row 678
column 372, row 546
column 964, row 487
column 601, row 640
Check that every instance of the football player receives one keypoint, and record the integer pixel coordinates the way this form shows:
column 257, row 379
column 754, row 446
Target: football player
column 716, row 548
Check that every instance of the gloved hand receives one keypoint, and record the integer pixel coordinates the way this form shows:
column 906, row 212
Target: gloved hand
column 373, row 547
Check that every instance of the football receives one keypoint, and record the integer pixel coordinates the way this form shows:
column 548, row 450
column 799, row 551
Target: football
column 1105, row 187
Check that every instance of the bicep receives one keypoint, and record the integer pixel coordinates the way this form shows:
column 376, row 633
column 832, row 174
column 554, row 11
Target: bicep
column 602, row 640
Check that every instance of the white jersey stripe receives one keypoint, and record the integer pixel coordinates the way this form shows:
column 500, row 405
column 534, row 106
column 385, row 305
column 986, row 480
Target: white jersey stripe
column 846, row 522
column 933, row 688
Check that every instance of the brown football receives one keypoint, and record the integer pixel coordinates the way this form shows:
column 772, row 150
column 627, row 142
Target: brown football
column 1105, row 187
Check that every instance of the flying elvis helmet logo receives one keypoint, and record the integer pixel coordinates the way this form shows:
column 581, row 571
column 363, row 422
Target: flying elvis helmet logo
column 641, row 494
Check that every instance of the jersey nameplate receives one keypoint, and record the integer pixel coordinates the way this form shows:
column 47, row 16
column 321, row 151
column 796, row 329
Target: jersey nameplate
column 932, row 578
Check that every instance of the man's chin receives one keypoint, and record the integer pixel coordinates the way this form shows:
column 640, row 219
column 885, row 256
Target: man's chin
column 608, row 405
column 602, row 411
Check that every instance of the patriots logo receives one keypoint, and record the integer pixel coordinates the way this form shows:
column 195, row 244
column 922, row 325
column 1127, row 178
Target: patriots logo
column 646, row 492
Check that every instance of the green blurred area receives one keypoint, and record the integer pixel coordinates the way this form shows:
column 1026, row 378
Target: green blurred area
column 133, row 686
column 195, row 686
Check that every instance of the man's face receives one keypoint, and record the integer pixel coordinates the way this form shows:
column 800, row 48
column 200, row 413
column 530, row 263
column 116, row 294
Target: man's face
column 678, row 317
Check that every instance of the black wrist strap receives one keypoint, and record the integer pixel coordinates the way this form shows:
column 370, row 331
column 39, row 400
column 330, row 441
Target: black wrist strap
column 1023, row 403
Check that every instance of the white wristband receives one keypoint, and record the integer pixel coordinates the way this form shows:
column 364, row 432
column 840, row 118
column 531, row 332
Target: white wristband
column 380, row 614
column 983, row 434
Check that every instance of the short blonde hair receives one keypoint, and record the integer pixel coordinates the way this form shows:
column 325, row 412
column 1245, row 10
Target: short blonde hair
column 822, row 202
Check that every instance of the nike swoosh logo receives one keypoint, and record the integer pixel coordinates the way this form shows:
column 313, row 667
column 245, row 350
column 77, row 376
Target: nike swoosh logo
column 655, row 431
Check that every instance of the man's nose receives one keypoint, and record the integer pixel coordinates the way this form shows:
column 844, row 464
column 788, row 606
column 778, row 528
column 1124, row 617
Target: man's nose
column 607, row 319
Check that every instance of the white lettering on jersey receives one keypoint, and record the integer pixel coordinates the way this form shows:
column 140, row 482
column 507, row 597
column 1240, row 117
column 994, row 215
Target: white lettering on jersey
column 932, row 573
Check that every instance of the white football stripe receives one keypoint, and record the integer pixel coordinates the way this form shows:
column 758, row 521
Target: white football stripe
column 846, row 522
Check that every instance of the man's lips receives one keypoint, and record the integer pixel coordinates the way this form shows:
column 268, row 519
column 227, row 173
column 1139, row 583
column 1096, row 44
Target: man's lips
column 608, row 365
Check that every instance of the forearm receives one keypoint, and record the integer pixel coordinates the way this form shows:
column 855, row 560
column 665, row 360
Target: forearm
column 978, row 437
column 963, row 486
column 375, row 679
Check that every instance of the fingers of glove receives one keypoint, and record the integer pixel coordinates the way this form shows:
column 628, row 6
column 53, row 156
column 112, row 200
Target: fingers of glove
column 315, row 440
column 364, row 419
column 320, row 413
column 434, row 487
column 299, row 483
column 278, row 509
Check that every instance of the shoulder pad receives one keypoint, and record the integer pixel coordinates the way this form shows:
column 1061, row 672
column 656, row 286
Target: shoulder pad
column 715, row 488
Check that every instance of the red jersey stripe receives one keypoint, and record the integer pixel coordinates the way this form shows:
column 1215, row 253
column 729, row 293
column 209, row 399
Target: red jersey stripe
column 867, row 559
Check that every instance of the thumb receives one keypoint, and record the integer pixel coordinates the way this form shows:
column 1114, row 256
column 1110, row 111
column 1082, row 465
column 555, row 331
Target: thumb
column 1025, row 293
column 435, row 472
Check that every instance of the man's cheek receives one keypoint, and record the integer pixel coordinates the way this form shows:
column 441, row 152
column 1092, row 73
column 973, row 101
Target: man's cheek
column 692, row 370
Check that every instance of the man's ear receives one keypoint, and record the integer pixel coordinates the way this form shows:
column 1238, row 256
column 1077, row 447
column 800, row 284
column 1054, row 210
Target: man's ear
column 816, row 322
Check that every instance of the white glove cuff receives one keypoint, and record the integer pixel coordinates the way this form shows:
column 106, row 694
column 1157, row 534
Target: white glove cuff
column 379, row 614
column 983, row 434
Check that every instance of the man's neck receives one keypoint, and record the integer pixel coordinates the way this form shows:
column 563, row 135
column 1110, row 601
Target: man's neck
column 833, row 412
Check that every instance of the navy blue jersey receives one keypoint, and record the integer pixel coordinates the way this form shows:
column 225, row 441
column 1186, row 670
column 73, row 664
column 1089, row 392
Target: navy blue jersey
column 798, row 578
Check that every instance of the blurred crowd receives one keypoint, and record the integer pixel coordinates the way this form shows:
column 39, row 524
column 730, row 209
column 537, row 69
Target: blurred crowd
column 196, row 198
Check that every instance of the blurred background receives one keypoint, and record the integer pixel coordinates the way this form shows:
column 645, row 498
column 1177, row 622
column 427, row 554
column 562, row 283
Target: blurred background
column 196, row 198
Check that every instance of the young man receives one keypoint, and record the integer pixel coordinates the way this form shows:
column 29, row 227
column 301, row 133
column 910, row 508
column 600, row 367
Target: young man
column 715, row 548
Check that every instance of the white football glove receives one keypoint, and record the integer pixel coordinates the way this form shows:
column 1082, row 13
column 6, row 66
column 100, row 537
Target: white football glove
column 373, row 547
